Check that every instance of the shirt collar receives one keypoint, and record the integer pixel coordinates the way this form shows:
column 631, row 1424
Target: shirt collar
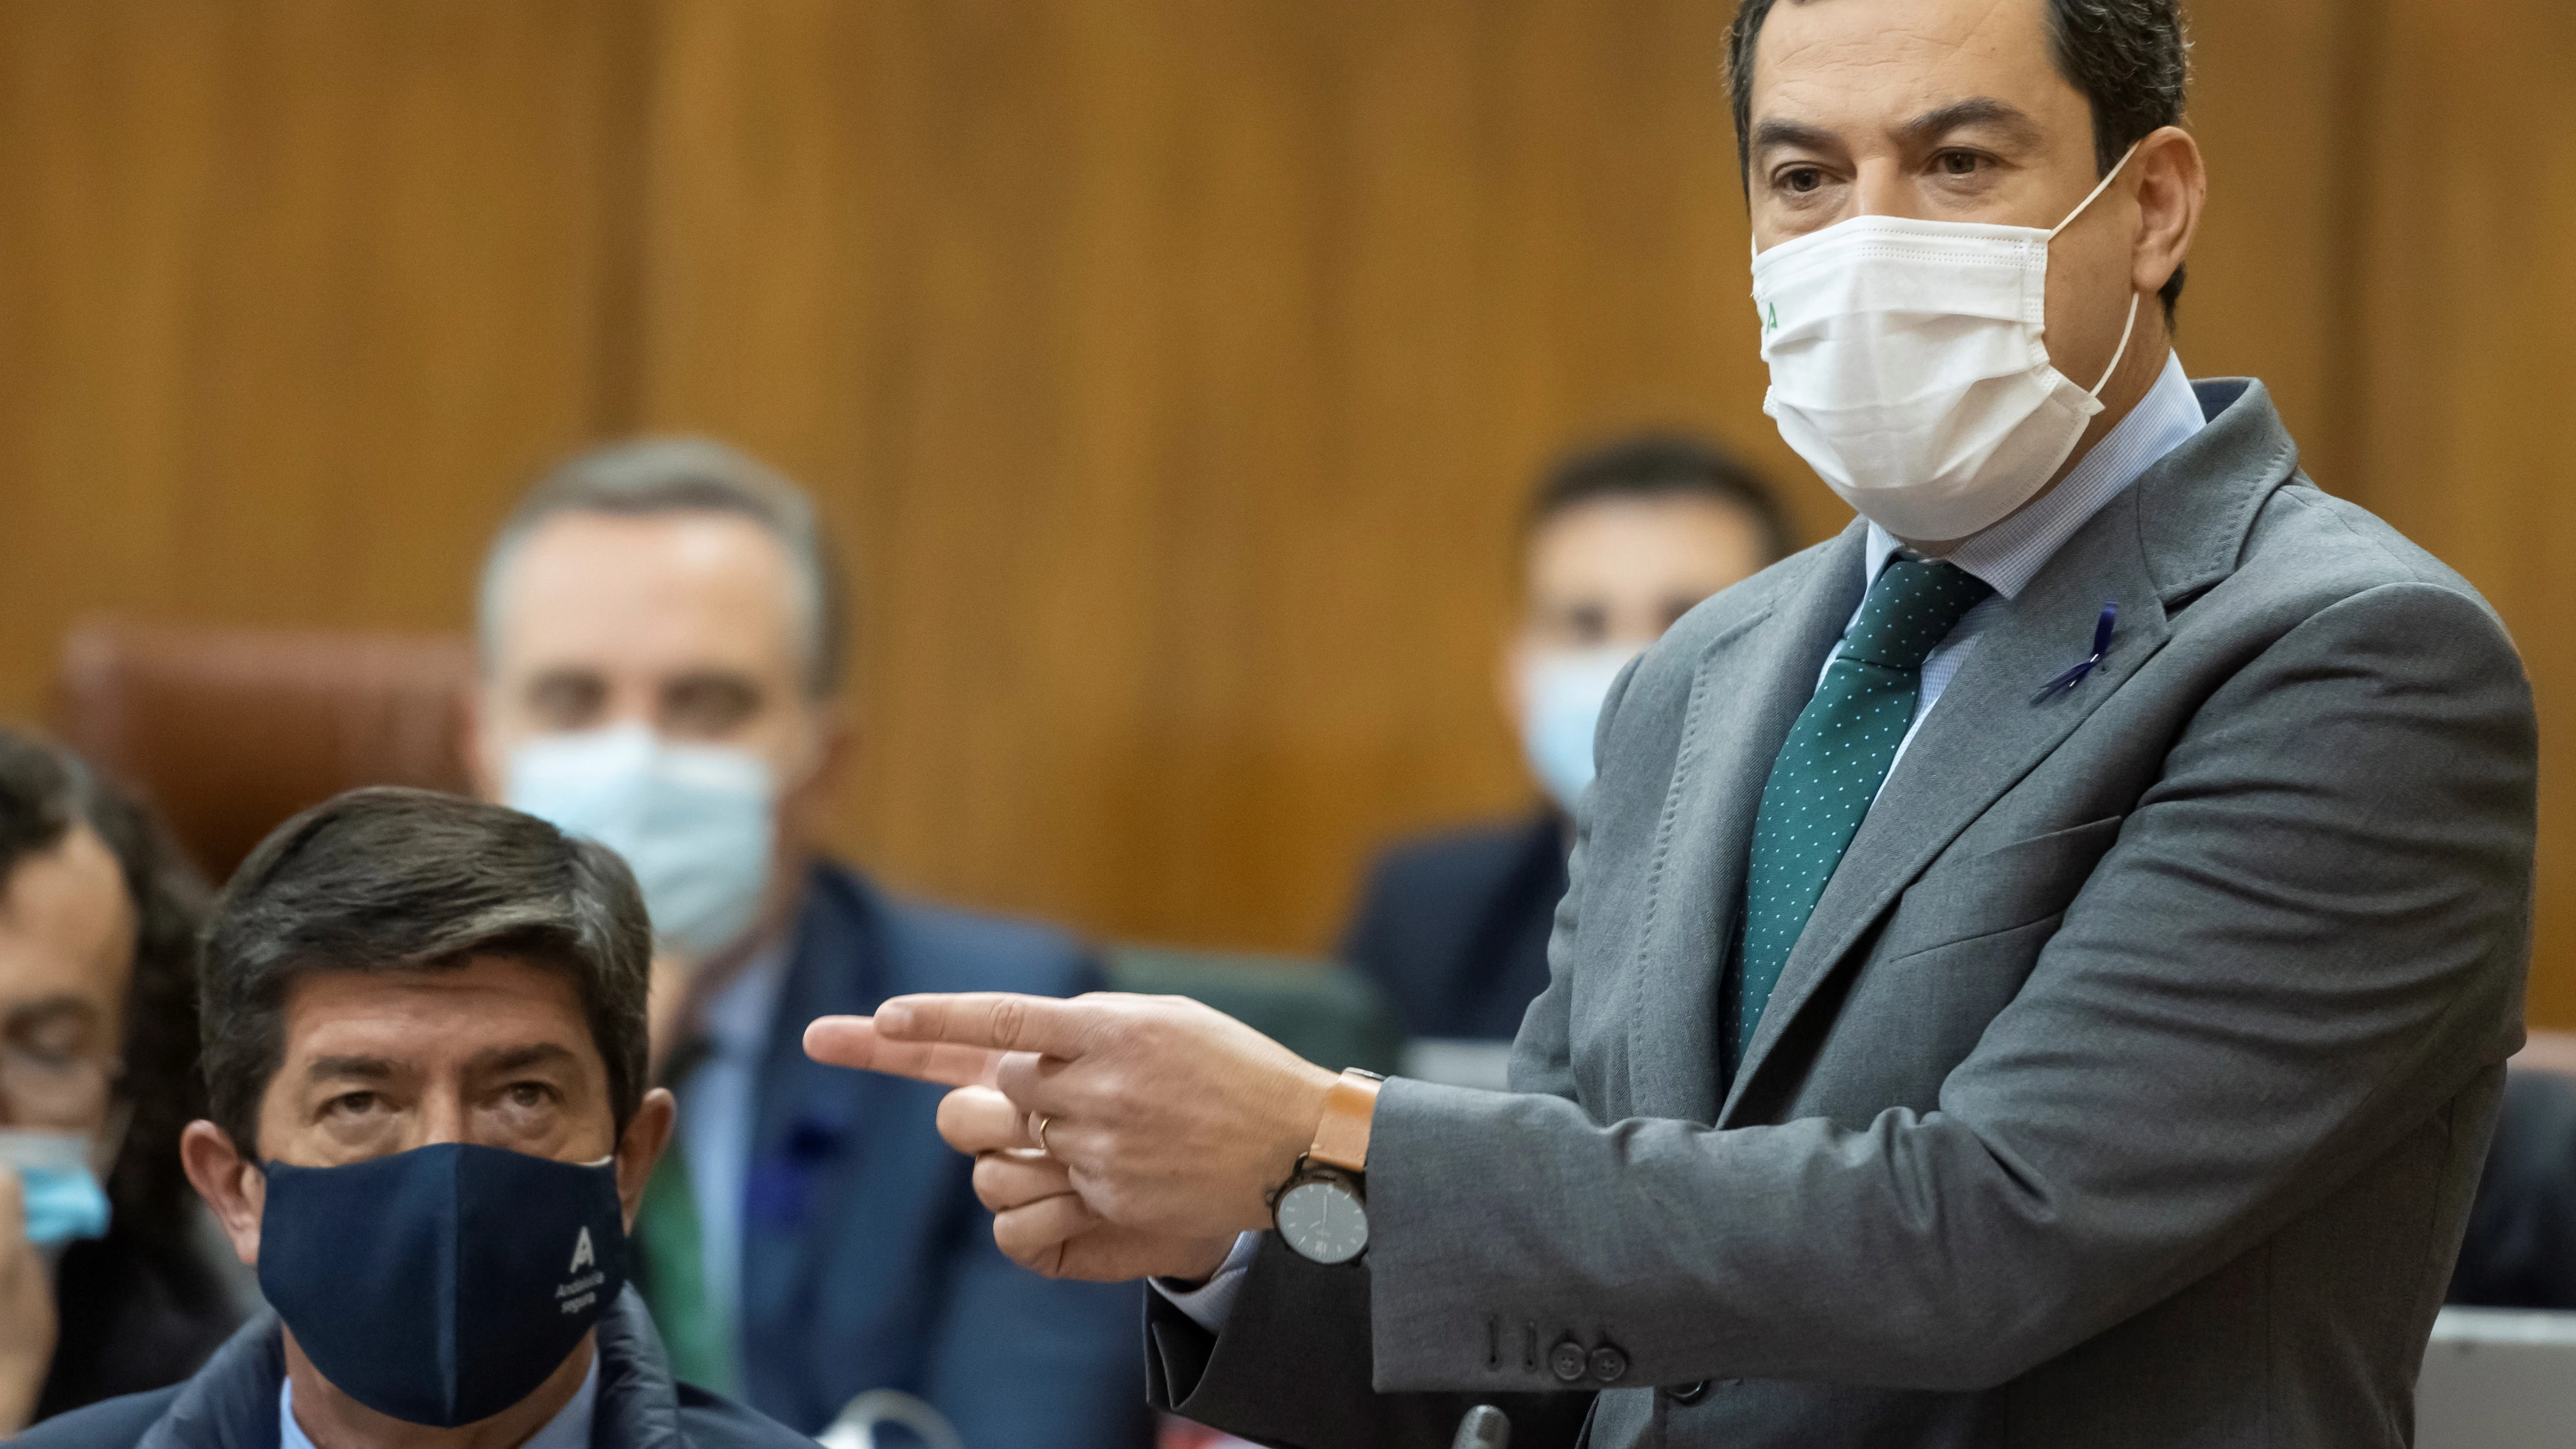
column 2008, row 555
column 568, row 1429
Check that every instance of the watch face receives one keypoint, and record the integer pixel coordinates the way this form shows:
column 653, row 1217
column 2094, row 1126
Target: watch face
column 1323, row 1221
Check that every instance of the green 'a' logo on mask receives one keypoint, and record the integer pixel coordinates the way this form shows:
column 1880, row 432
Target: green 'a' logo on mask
column 1770, row 316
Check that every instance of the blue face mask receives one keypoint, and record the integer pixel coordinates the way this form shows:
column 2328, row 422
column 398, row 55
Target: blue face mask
column 693, row 821
column 442, row 1285
column 1566, row 692
column 64, row 1199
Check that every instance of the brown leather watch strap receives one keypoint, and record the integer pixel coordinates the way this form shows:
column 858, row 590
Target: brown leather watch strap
column 1342, row 1137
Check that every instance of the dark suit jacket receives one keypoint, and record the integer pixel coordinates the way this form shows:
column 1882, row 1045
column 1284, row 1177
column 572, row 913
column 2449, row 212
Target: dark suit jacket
column 1454, row 927
column 134, row 1316
column 231, row 1403
column 867, row 1262
column 2127, row 1088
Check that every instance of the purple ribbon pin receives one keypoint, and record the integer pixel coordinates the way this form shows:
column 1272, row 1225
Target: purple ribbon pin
column 2102, row 630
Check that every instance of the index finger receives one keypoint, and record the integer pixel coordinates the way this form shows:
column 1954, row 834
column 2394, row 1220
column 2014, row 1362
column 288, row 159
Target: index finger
column 1000, row 1021
column 854, row 1041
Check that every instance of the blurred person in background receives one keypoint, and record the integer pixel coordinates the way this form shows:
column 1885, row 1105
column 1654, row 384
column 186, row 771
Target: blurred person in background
column 1620, row 541
column 662, row 632
column 108, row 1281
column 2520, row 1248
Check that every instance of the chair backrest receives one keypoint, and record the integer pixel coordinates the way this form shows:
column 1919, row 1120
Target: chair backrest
column 1330, row 1015
column 230, row 731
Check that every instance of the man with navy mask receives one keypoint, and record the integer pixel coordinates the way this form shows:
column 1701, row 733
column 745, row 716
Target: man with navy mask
column 663, row 633
column 1620, row 540
column 2038, row 968
column 425, row 1061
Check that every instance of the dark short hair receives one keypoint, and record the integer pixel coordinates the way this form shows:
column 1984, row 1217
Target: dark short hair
column 642, row 476
column 45, row 791
column 2130, row 58
column 413, row 880
column 1662, row 465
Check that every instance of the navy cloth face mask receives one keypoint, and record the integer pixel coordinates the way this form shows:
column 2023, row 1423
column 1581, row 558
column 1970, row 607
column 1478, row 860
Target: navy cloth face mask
column 442, row 1285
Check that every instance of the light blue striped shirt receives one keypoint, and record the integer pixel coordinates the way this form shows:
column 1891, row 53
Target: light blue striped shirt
column 2008, row 555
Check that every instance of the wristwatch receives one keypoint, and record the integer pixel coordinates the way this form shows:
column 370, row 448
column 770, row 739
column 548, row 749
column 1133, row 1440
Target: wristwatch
column 1322, row 1209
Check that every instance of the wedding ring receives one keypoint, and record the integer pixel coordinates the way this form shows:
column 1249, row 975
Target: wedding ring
column 1044, row 1122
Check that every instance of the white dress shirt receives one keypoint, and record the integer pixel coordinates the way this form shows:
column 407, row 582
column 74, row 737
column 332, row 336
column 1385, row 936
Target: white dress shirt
column 2006, row 556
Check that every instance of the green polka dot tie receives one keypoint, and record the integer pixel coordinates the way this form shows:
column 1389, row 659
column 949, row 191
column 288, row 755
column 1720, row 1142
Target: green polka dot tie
column 1837, row 755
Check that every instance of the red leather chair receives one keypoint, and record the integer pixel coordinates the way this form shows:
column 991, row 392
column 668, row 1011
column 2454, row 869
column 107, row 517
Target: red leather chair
column 229, row 731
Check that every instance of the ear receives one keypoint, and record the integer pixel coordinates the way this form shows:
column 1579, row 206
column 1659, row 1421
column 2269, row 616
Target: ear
column 484, row 766
column 232, row 1186
column 807, row 805
column 2173, row 186
column 641, row 1148
column 1511, row 681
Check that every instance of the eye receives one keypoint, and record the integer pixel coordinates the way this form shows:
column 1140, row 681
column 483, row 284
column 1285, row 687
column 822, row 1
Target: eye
column 567, row 701
column 528, row 1096
column 1802, row 180
column 1958, row 163
column 353, row 1104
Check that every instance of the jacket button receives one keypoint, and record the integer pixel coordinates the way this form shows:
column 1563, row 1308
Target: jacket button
column 1609, row 1365
column 1688, row 1394
column 1568, row 1361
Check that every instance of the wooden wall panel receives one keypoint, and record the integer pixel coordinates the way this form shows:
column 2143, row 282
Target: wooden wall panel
column 1173, row 368
column 295, row 294
column 2467, row 353
column 1177, row 371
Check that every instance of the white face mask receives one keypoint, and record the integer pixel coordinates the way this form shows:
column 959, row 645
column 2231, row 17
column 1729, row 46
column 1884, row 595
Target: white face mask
column 695, row 822
column 1909, row 366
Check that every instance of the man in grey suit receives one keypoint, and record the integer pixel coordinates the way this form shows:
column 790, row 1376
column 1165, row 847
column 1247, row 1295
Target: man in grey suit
column 2038, row 968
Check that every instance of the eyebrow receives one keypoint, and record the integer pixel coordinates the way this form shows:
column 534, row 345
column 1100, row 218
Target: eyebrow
column 2012, row 120
column 374, row 1069
column 60, row 1003
column 1941, row 120
column 514, row 1059
column 1796, row 134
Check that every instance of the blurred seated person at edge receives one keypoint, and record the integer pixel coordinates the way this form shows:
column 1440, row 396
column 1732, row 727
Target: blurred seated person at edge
column 1620, row 541
column 111, row 1278
column 2520, row 1249
column 663, row 630
column 429, row 1129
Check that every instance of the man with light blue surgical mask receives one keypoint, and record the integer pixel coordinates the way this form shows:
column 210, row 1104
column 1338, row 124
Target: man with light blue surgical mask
column 1620, row 540
column 111, row 1277
column 664, row 633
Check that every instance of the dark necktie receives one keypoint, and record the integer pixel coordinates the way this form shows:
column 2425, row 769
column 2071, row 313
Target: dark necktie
column 1837, row 755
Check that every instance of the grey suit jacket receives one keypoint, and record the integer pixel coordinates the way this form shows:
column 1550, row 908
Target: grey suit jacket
column 2128, row 1086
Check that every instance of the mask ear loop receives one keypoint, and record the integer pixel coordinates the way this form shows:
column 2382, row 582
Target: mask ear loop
column 2103, row 185
column 2120, row 352
column 2129, row 328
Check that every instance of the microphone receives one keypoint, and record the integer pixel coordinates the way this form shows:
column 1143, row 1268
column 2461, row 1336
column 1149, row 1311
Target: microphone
column 1483, row 1428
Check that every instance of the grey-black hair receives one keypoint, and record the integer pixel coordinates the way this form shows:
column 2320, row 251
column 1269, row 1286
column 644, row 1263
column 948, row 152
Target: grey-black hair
column 678, row 475
column 413, row 880
column 1662, row 465
column 45, row 792
column 2130, row 58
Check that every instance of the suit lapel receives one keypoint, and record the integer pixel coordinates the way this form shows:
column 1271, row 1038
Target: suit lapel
column 805, row 1114
column 2176, row 531
column 1990, row 728
column 1746, row 691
